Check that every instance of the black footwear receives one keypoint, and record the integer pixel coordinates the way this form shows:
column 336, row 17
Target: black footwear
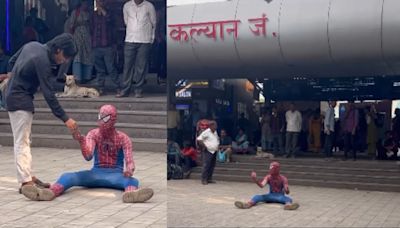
column 119, row 95
column 211, row 181
column 204, row 182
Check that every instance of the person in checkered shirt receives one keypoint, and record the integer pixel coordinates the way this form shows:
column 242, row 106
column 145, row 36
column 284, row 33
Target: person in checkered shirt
column 113, row 164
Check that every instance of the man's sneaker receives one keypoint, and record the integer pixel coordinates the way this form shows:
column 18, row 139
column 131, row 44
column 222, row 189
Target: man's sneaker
column 35, row 193
column 138, row 196
column 211, row 181
column 292, row 206
column 242, row 205
column 204, row 182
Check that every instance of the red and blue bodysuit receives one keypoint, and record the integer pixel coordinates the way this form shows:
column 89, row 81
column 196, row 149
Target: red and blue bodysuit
column 278, row 187
column 113, row 162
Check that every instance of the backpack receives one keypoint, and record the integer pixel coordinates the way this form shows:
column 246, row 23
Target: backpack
column 221, row 156
column 174, row 172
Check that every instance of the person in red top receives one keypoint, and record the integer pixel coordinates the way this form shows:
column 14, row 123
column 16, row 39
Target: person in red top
column 278, row 185
column 189, row 154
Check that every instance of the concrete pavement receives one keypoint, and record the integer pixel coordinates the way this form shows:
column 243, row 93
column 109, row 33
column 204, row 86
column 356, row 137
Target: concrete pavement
column 191, row 204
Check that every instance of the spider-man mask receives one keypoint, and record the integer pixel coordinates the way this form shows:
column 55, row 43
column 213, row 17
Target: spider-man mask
column 107, row 117
column 274, row 168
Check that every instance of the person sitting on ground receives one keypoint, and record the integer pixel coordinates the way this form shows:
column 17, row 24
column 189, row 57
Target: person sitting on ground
column 388, row 149
column 225, row 145
column 189, row 154
column 241, row 144
column 278, row 188
column 113, row 164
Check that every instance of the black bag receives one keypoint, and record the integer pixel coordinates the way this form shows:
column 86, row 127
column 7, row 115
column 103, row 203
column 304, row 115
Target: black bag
column 176, row 172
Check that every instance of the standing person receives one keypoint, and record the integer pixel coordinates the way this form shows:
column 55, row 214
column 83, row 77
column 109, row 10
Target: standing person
column 209, row 141
column 293, row 128
column 29, row 33
column 277, row 127
column 266, row 131
column 329, row 129
column 350, row 124
column 102, row 42
column 140, row 21
column 314, row 131
column 80, row 28
column 372, row 130
column 38, row 24
column 3, row 72
column 64, row 68
column 30, row 68
column 161, row 44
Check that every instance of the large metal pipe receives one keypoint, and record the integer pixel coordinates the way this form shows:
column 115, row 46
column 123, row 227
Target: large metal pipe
column 307, row 38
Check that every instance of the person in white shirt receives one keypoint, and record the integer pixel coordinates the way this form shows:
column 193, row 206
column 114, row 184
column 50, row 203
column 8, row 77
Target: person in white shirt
column 293, row 128
column 329, row 128
column 140, row 21
column 209, row 141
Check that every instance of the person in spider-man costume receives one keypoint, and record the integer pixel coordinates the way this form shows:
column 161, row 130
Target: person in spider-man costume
column 113, row 164
column 278, row 187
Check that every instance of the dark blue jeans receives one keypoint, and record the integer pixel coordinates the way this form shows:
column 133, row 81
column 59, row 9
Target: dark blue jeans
column 136, row 64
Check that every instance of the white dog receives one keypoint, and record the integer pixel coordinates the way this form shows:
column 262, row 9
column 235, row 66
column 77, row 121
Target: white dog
column 261, row 154
column 72, row 90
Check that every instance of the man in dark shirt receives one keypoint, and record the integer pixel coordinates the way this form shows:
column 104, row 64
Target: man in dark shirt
column 277, row 127
column 225, row 145
column 30, row 68
column 102, row 41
